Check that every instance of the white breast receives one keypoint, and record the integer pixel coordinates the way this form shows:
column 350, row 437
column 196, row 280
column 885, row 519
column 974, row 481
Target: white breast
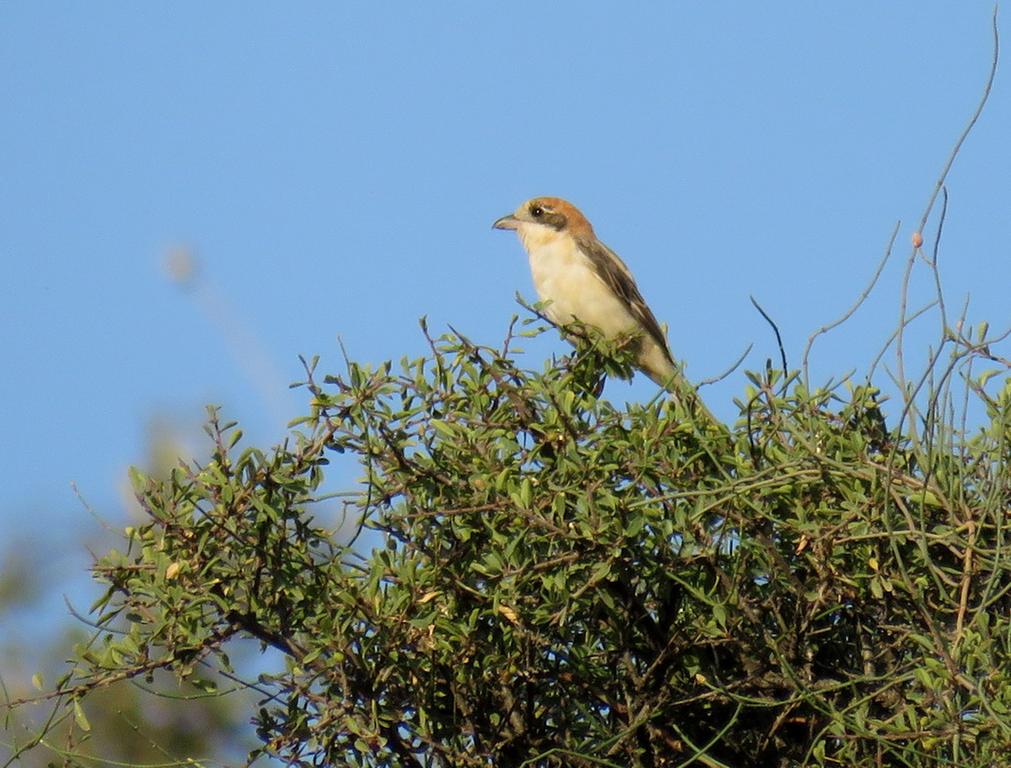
column 566, row 278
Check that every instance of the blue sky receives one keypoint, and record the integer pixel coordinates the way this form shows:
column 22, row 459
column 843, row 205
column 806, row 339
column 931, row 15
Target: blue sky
column 336, row 170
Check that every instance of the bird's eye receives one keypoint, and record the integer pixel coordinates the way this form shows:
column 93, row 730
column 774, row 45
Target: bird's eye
column 536, row 211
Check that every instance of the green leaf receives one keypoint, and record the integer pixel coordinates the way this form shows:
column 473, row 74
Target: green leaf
column 79, row 717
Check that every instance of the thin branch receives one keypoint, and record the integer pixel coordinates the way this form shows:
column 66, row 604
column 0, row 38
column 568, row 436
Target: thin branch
column 888, row 342
column 856, row 305
column 933, row 261
column 730, row 370
column 775, row 329
column 968, row 128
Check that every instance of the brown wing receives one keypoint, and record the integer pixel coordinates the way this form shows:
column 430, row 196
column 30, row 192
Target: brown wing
column 612, row 270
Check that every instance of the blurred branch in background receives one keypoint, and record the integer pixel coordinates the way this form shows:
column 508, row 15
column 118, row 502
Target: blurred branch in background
column 183, row 268
column 141, row 722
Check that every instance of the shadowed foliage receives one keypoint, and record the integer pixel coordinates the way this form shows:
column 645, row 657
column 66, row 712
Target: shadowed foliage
column 563, row 582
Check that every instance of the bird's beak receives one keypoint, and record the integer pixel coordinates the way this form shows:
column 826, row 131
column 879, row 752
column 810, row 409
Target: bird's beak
column 506, row 222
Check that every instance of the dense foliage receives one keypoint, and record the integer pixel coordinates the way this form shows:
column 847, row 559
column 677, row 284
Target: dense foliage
column 563, row 582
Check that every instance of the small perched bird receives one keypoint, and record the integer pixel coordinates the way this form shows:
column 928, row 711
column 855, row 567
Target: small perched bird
column 584, row 280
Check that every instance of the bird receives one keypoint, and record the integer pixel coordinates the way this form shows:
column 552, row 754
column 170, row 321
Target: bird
column 585, row 281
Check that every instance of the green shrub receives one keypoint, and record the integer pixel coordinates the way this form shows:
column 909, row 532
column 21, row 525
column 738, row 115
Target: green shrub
column 564, row 582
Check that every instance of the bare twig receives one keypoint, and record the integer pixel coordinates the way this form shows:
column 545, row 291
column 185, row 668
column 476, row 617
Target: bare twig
column 730, row 370
column 969, row 126
column 933, row 262
column 856, row 305
column 775, row 329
